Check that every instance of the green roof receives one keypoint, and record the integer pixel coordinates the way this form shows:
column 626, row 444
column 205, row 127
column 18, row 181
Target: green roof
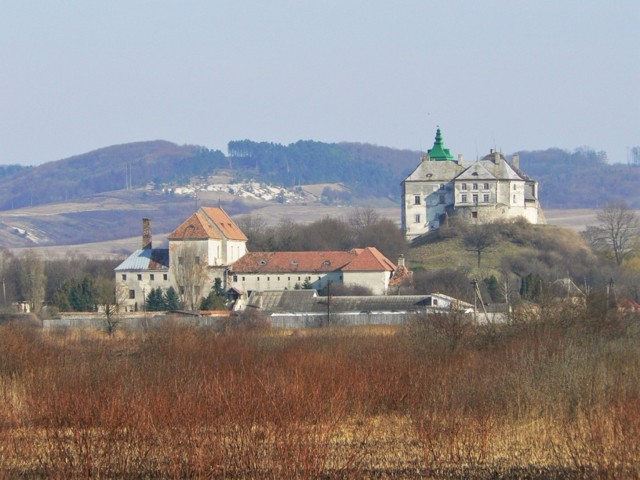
column 438, row 152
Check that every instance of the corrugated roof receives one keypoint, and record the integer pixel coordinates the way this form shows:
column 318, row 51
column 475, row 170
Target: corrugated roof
column 293, row 301
column 146, row 259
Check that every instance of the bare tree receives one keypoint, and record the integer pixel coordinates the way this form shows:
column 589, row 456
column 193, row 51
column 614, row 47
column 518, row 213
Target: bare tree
column 110, row 297
column 618, row 229
column 363, row 217
column 6, row 259
column 32, row 279
column 190, row 272
column 479, row 238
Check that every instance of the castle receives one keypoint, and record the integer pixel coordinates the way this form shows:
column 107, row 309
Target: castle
column 483, row 191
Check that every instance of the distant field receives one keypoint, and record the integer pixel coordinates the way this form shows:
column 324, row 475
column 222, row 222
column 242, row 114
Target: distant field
column 576, row 219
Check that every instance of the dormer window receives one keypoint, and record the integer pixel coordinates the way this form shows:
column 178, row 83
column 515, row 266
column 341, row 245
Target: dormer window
column 263, row 262
column 294, row 262
column 327, row 262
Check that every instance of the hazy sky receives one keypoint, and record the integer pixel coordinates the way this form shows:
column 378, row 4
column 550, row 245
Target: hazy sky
column 79, row 75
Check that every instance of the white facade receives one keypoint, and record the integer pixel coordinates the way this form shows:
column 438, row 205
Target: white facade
column 486, row 190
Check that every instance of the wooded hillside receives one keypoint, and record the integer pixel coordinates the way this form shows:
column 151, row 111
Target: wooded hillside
column 579, row 179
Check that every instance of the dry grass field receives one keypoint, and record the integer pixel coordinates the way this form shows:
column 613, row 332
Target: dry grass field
column 554, row 394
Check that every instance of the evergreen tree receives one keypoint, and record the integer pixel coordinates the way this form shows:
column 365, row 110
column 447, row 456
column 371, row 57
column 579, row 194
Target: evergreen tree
column 172, row 300
column 213, row 302
column 156, row 301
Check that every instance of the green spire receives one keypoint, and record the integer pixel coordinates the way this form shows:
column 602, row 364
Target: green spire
column 438, row 152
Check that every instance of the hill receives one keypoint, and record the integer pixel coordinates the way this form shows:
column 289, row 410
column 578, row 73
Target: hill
column 580, row 179
column 368, row 171
column 519, row 250
column 108, row 169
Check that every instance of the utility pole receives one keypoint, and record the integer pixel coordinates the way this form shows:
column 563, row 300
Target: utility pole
column 329, row 302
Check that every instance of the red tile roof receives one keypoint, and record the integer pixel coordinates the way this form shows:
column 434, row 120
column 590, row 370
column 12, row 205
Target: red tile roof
column 208, row 223
column 223, row 221
column 196, row 227
column 367, row 259
column 370, row 259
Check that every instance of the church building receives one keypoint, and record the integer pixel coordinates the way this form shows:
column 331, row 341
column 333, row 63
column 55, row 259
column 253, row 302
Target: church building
column 489, row 189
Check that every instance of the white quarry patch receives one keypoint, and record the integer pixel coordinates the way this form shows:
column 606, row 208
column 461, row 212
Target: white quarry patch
column 26, row 234
column 254, row 190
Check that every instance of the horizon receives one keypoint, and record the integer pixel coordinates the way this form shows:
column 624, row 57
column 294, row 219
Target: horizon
column 80, row 77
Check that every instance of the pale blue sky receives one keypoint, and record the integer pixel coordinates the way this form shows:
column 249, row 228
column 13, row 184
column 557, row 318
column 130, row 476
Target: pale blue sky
column 80, row 75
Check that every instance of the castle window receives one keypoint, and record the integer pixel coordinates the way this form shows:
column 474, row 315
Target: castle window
column 165, row 276
column 139, row 276
column 474, row 214
column 235, row 278
column 514, row 186
column 442, row 186
column 197, row 260
column 475, row 198
column 124, row 277
column 463, row 198
column 416, row 200
column 152, row 277
column 416, row 218
column 132, row 294
column 474, row 186
column 464, row 186
column 268, row 279
column 486, row 186
column 485, row 198
column 514, row 199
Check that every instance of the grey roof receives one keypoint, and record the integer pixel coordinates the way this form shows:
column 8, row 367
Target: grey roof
column 476, row 171
column 293, row 301
column 485, row 169
column 146, row 259
column 431, row 170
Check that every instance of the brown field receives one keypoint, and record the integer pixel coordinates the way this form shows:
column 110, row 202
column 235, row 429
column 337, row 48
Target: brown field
column 554, row 395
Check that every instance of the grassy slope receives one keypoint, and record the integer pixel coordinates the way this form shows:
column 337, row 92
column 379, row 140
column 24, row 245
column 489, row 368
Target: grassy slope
column 551, row 244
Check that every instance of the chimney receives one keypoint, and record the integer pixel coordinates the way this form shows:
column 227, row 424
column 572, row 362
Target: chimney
column 496, row 157
column 146, row 234
column 516, row 160
column 460, row 159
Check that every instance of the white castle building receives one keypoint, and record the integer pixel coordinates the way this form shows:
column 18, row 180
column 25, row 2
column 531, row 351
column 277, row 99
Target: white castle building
column 482, row 191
